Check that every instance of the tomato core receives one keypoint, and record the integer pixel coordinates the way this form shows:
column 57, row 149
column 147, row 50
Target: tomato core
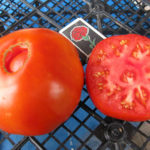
column 15, row 58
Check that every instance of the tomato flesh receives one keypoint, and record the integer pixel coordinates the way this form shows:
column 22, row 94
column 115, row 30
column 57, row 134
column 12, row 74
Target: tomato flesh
column 118, row 77
column 41, row 79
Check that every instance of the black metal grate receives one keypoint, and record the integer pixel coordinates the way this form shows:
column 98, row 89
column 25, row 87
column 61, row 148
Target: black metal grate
column 87, row 128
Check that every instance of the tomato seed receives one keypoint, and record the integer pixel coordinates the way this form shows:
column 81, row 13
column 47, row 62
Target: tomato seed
column 113, row 47
column 123, row 42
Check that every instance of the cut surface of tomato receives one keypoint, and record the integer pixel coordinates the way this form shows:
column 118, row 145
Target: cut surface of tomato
column 118, row 77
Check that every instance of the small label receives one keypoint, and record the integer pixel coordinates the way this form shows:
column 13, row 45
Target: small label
column 83, row 36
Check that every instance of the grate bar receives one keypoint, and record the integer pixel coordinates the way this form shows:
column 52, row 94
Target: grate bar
column 17, row 23
column 21, row 143
column 42, row 15
column 36, row 143
column 92, row 113
column 131, row 144
column 104, row 145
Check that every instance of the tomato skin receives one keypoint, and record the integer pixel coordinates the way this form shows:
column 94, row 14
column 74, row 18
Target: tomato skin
column 42, row 94
column 117, row 77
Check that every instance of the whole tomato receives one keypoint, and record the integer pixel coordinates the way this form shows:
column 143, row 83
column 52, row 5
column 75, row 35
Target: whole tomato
column 118, row 77
column 41, row 79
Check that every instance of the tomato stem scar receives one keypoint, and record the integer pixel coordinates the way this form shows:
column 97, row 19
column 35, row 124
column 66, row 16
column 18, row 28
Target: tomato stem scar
column 15, row 57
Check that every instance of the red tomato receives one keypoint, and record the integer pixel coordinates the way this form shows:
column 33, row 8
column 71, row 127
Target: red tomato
column 118, row 77
column 41, row 79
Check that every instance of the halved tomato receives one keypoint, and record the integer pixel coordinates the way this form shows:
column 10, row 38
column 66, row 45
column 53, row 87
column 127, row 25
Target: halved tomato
column 118, row 77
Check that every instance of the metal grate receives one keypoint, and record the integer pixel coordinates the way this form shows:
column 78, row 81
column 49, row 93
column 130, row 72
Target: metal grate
column 87, row 128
